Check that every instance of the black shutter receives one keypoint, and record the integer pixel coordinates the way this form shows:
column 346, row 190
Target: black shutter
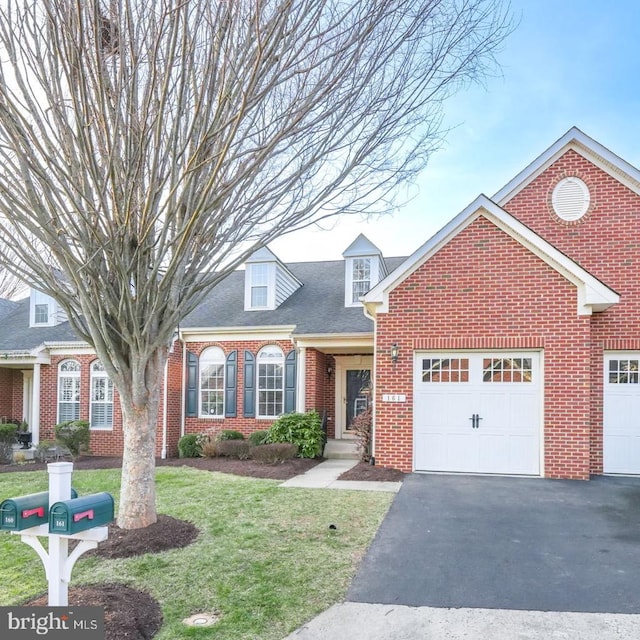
column 230, row 385
column 249, row 385
column 290, row 366
column 192, row 385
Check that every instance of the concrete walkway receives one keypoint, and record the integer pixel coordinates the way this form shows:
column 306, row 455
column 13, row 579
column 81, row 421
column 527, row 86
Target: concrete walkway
column 359, row 621
column 325, row 476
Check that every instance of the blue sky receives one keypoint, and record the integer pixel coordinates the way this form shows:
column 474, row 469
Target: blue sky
column 568, row 63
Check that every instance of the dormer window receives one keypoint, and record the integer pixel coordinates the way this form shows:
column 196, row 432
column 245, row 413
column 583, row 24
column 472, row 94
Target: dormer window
column 259, row 278
column 364, row 268
column 41, row 314
column 267, row 282
column 44, row 310
column 361, row 278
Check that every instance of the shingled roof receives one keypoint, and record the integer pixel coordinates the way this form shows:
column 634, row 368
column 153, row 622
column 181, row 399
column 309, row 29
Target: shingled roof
column 316, row 308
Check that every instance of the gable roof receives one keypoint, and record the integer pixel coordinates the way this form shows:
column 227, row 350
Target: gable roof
column 593, row 295
column 361, row 246
column 582, row 144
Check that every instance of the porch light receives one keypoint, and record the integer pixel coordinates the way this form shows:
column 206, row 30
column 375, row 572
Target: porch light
column 329, row 370
column 395, row 352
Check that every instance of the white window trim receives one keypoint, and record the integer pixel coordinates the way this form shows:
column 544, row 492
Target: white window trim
column 219, row 360
column 271, row 286
column 374, row 277
column 281, row 362
column 67, row 374
column 38, row 298
column 99, row 374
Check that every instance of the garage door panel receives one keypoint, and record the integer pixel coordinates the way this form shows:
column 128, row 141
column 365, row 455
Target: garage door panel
column 505, row 437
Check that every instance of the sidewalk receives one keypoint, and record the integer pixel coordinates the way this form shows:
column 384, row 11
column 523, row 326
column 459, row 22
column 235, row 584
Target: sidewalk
column 325, row 476
column 358, row 621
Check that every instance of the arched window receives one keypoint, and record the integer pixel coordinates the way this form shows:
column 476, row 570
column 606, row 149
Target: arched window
column 212, row 363
column 270, row 382
column 101, row 398
column 68, row 390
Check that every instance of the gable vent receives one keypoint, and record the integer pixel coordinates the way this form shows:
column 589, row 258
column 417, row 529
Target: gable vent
column 570, row 199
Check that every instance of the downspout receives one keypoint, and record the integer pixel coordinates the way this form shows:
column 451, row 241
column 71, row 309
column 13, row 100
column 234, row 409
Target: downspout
column 372, row 316
column 163, row 452
column 182, row 378
column 165, row 403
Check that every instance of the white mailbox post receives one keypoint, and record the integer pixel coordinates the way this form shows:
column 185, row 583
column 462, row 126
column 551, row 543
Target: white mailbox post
column 58, row 564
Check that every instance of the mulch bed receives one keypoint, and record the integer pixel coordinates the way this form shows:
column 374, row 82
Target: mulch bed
column 135, row 615
column 365, row 471
column 129, row 614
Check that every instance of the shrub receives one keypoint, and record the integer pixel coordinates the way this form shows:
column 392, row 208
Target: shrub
column 188, row 446
column 274, row 453
column 50, row 450
column 8, row 433
column 301, row 429
column 361, row 425
column 235, row 448
column 259, row 437
column 209, row 449
column 229, row 434
column 74, row 435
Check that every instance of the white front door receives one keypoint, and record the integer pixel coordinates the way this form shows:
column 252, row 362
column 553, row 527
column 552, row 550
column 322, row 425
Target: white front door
column 621, row 440
column 353, row 391
column 477, row 412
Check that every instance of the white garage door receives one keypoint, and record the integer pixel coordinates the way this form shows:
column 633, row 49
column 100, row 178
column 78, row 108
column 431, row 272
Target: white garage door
column 477, row 412
column 622, row 413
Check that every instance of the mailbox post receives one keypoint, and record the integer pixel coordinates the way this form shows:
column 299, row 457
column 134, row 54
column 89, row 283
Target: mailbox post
column 84, row 517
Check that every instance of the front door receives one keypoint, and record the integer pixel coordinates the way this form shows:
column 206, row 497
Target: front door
column 353, row 391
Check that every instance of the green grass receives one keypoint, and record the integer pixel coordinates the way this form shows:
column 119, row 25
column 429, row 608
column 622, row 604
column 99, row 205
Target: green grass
column 265, row 559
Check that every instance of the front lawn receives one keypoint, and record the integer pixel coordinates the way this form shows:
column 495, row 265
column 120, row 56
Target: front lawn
column 265, row 560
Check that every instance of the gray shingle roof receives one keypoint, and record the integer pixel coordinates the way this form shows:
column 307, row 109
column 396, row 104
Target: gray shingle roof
column 16, row 335
column 315, row 308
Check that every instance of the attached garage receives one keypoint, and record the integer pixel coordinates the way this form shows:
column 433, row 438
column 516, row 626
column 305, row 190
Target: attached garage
column 477, row 412
column 621, row 445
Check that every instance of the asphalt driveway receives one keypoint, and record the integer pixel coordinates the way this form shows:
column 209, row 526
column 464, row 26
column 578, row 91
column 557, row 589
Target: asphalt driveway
column 507, row 543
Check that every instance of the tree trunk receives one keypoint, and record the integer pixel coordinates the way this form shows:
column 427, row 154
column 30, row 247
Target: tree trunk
column 140, row 409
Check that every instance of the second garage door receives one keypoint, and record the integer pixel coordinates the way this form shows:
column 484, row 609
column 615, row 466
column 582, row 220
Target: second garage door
column 477, row 412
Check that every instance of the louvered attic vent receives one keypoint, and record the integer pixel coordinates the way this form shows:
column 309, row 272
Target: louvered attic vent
column 570, row 199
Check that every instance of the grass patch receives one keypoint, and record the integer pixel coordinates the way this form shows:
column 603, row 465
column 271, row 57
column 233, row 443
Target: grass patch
column 265, row 559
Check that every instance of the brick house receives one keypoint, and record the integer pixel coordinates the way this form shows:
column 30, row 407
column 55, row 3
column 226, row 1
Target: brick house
column 508, row 343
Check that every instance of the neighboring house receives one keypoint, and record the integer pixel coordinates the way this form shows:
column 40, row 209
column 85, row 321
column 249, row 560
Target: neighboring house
column 508, row 343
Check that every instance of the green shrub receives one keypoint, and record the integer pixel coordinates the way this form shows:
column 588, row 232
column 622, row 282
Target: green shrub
column 188, row 446
column 229, row 434
column 302, row 429
column 240, row 449
column 48, row 450
column 8, row 433
column 259, row 437
column 74, row 435
column 274, row 453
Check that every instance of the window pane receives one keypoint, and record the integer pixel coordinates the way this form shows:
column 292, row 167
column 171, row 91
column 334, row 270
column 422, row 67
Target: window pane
column 212, row 390
column 258, row 296
column 624, row 371
column 445, row 370
column 506, row 370
column 101, row 409
column 41, row 314
column 360, row 278
column 270, row 389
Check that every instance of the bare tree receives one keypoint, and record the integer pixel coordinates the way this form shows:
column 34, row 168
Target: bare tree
column 148, row 147
column 10, row 284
